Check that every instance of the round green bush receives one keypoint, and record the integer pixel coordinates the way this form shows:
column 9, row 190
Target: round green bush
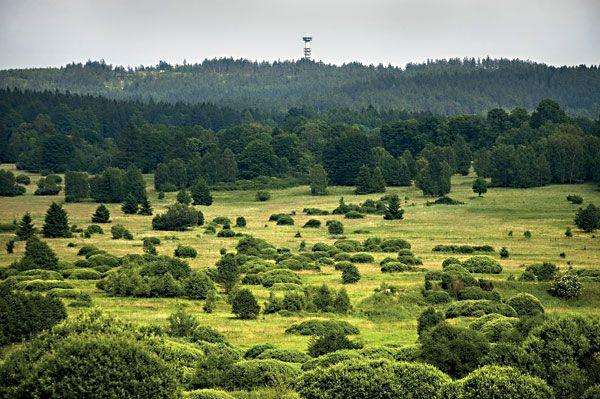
column 207, row 394
column 476, row 308
column 526, row 305
column 184, row 251
column 256, row 350
column 335, row 227
column 566, row 286
column 482, row 264
column 42, row 274
column 82, row 274
column 285, row 220
column 435, row 297
column 332, row 358
column 274, row 276
column 312, row 223
column 285, row 355
column 496, row 382
column 321, row 327
column 395, row 267
column 256, row 373
column 226, row 233
column 103, row 260
column 354, row 215
column 263, row 196
column 240, row 221
column 362, row 258
column 350, row 274
column 86, row 249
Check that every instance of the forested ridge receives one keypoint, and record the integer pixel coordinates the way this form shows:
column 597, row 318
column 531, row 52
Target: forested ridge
column 438, row 86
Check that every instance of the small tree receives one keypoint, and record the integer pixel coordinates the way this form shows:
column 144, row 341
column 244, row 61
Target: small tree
column 318, row 180
column 350, row 274
column 568, row 232
column 244, row 305
column 429, row 319
column 145, row 207
column 588, row 219
column 38, row 255
column 8, row 184
column 503, row 253
column 228, row 272
column 77, row 186
column 184, row 197
column 480, row 186
column 240, row 221
column 10, row 246
column 369, row 180
column 263, row 196
column 178, row 217
column 201, row 193
column 335, row 227
column 130, row 206
column 56, row 223
column 26, row 229
column 211, row 301
column 393, row 210
column 341, row 303
column 101, row 215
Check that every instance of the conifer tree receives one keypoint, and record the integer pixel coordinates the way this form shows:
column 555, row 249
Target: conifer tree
column 102, row 215
column 244, row 305
column 145, row 207
column 228, row 169
column 393, row 210
column 56, row 223
column 183, row 197
column 130, row 206
column 38, row 255
column 341, row 303
column 26, row 229
column 377, row 181
column 201, row 193
column 318, row 180
column 77, row 186
column 370, row 180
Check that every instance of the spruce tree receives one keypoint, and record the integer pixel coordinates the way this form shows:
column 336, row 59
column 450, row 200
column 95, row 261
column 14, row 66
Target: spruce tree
column 318, row 180
column 341, row 303
column 244, row 305
column 393, row 210
column 145, row 207
column 201, row 193
column 56, row 223
column 363, row 180
column 77, row 186
column 377, row 181
column 102, row 215
column 130, row 206
column 38, row 255
column 228, row 166
column 183, row 197
column 26, row 229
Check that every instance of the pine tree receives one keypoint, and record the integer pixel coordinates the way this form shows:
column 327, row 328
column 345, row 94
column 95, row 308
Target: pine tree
column 377, row 181
column 201, row 193
column 38, row 255
column 318, row 180
column 130, row 206
column 26, row 229
column 393, row 210
column 134, row 184
column 56, row 223
column 228, row 166
column 363, row 180
column 145, row 207
column 102, row 215
column 77, row 186
column 341, row 303
column 244, row 305
column 183, row 197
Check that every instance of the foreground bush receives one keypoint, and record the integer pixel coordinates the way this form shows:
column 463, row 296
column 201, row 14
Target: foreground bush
column 373, row 379
column 526, row 305
column 251, row 374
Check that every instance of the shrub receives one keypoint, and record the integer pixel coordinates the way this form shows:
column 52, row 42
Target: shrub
column 197, row 285
column 476, row 308
column 207, row 394
column 256, row 373
column 566, row 286
column 130, row 205
column 496, row 382
column 226, row 233
column 321, row 327
column 285, row 220
column 330, row 342
column 394, row 245
column 350, row 275
column 240, row 221
column 178, row 217
column 588, row 219
column 312, row 223
column 482, row 264
column 103, row 259
column 477, row 293
column 119, row 231
column 56, row 222
column 23, row 179
column 183, row 251
column 527, row 234
column 263, row 196
column 201, row 193
column 362, row 258
column 526, row 305
column 503, row 253
column 543, row 271
column 315, row 211
column 279, row 276
column 335, row 227
column 395, row 267
column 244, row 305
column 94, row 229
column 285, row 355
column 572, row 198
column 354, row 215
column 82, row 274
column 101, row 215
column 8, row 184
column 435, row 297
column 42, row 285
column 428, row 319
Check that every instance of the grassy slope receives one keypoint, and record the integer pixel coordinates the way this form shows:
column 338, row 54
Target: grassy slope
column 544, row 211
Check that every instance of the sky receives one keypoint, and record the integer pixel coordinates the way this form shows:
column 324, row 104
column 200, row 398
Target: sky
column 41, row 33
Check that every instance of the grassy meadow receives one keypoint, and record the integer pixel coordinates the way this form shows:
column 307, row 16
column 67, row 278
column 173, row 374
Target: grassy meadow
column 481, row 220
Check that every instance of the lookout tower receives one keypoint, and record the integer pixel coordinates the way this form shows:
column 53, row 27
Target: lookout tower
column 307, row 39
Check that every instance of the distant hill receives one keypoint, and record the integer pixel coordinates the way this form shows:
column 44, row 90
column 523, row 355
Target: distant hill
column 441, row 86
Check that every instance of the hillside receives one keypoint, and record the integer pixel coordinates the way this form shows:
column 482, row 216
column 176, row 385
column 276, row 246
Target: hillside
column 441, row 86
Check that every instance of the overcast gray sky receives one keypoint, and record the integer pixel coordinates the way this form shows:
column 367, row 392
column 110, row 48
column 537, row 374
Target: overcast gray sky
column 36, row 33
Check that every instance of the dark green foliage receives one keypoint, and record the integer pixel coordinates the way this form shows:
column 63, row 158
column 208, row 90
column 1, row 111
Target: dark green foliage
column 178, row 217
column 566, row 286
column 271, row 277
column 331, row 341
column 244, row 305
column 495, row 382
column 38, row 255
column 575, row 199
column 369, row 181
column 526, row 305
column 480, row 186
column 56, row 222
column 482, row 264
column 183, row 251
column 433, row 176
column 201, row 193
column 285, row 220
column 240, row 221
column 285, row 355
column 93, row 229
column 184, row 197
column 77, row 186
column 568, row 232
column 503, row 253
column 257, row 373
column 256, row 350
column 318, row 180
column 228, row 271
column 181, row 323
column 312, row 223
column 354, row 215
column 350, row 274
column 542, row 271
column 341, row 303
column 8, row 184
column 197, row 285
column 335, row 227
column 263, row 196
column 393, row 210
column 212, row 369
column 315, row 211
column 588, row 219
column 428, row 319
column 454, row 350
column 130, row 206
column 362, row 258
column 109, row 186
column 119, row 231
column 23, row 179
column 527, row 234
column 23, row 315
column 145, row 207
column 26, row 229
column 101, row 215
column 10, row 246
column 476, row 308
column 321, row 327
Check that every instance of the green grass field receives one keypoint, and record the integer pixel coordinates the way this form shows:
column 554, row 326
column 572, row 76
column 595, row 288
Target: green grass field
column 543, row 211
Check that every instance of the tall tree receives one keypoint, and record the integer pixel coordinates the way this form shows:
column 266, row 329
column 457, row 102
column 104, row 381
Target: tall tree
column 434, row 173
column 393, row 210
column 318, row 180
column 101, row 215
column 56, row 222
column 201, row 193
column 26, row 228
column 77, row 186
column 130, row 206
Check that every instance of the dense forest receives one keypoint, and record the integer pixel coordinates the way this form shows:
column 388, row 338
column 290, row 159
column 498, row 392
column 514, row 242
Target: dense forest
column 440, row 86
column 45, row 131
